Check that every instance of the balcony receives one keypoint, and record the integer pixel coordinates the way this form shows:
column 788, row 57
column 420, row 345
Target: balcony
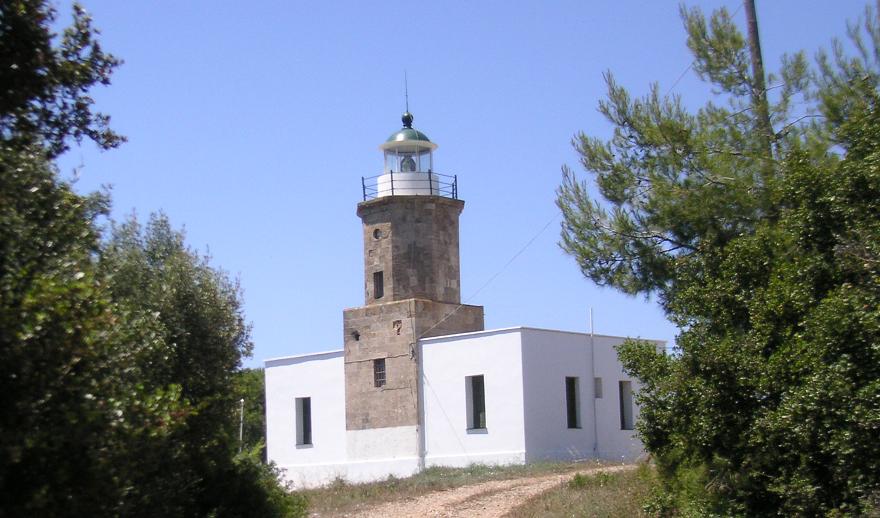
column 410, row 184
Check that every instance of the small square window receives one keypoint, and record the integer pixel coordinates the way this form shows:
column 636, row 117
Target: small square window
column 379, row 372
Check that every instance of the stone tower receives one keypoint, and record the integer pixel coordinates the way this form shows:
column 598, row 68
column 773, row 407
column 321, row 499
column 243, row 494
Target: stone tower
column 412, row 290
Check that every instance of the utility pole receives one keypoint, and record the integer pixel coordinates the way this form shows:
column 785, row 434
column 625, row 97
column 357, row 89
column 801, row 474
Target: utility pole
column 759, row 86
column 241, row 426
column 593, row 370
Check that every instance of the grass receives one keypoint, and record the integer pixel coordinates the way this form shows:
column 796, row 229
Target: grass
column 601, row 495
column 341, row 497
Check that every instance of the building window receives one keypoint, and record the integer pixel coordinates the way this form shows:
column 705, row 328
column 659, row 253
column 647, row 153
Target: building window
column 597, row 387
column 476, row 402
column 303, row 420
column 626, row 405
column 571, row 402
column 379, row 372
column 378, row 285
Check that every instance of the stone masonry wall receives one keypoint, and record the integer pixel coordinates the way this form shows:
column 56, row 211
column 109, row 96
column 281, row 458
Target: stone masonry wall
column 413, row 240
column 390, row 331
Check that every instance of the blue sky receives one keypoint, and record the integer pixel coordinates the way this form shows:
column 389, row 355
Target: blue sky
column 251, row 124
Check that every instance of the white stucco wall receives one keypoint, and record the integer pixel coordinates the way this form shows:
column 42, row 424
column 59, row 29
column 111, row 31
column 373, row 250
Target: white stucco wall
column 447, row 361
column 614, row 443
column 548, row 358
column 319, row 377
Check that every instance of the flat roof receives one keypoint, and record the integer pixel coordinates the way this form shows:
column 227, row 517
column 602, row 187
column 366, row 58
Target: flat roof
column 529, row 328
column 286, row 360
column 336, row 352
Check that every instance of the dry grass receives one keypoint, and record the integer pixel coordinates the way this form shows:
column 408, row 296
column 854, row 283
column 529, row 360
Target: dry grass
column 341, row 497
column 619, row 494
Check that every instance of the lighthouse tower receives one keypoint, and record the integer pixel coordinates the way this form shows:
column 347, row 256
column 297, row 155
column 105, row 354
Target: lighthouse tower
column 411, row 290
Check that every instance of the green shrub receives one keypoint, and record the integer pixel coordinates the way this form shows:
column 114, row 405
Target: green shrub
column 581, row 481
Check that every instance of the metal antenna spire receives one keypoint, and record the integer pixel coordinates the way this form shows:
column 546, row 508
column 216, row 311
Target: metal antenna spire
column 407, row 116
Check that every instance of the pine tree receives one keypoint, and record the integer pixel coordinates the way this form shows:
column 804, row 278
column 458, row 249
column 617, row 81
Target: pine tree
column 764, row 258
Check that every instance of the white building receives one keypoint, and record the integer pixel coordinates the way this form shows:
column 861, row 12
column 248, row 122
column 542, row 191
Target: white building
column 419, row 382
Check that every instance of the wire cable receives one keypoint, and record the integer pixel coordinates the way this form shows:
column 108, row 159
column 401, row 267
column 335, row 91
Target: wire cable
column 493, row 277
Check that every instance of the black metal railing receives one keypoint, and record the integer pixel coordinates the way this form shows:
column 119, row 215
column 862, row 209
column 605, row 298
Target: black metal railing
column 434, row 183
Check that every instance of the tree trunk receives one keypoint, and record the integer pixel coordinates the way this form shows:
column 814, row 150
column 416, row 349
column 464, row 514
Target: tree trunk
column 759, row 88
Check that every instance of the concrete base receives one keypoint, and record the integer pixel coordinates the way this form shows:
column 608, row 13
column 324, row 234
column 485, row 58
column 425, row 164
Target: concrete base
column 373, row 454
column 382, row 443
column 301, row 476
column 374, row 470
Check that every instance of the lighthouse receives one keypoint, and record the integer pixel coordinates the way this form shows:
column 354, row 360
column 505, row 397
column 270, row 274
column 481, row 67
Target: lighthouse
column 412, row 290
column 418, row 381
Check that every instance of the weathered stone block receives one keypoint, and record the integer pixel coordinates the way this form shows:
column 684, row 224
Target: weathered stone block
column 413, row 241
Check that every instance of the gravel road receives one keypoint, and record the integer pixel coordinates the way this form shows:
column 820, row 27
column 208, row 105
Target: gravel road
column 486, row 499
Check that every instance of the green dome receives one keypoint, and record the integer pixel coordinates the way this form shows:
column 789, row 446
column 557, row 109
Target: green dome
column 408, row 134
column 408, row 139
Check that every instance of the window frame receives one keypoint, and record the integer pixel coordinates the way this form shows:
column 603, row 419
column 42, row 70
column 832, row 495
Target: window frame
column 572, row 402
column 378, row 284
column 475, row 389
column 380, row 374
column 627, row 415
column 303, row 418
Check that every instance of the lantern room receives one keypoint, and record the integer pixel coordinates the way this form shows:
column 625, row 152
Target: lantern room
column 409, row 167
column 408, row 150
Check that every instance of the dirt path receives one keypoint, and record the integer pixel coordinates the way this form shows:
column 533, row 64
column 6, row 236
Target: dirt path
column 486, row 499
